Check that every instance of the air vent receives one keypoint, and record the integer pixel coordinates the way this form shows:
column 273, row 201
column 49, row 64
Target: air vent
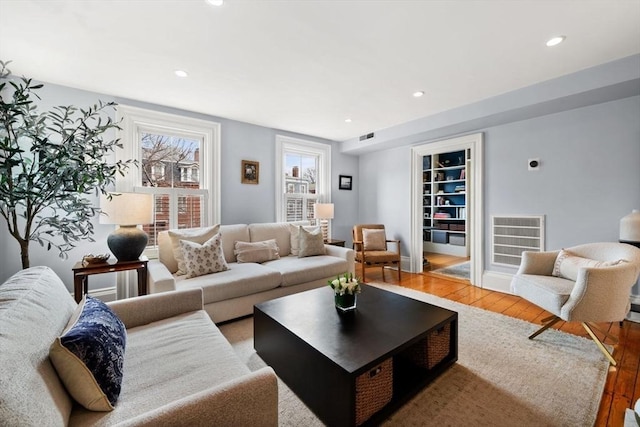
column 514, row 234
column 367, row 136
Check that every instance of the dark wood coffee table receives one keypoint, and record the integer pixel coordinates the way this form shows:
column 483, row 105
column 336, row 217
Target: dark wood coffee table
column 319, row 353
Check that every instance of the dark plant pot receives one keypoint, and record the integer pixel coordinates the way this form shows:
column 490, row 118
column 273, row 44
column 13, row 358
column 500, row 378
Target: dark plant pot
column 346, row 302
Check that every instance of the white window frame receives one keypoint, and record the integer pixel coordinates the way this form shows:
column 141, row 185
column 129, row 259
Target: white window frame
column 287, row 144
column 134, row 121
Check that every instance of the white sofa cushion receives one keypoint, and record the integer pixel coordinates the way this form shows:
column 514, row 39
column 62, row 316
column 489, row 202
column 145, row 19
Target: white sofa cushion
column 241, row 279
column 296, row 270
column 34, row 309
column 161, row 366
column 230, row 235
column 276, row 230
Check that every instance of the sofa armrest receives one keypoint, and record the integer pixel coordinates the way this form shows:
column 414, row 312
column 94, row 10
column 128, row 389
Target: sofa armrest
column 159, row 277
column 538, row 263
column 251, row 400
column 341, row 252
column 143, row 310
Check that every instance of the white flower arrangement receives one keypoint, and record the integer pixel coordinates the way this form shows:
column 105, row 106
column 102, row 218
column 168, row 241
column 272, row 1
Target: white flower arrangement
column 345, row 284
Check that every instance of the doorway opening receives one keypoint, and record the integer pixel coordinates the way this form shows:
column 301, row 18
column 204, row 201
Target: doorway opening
column 447, row 207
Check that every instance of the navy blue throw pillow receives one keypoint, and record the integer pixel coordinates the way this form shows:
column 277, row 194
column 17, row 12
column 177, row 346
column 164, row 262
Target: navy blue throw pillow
column 89, row 356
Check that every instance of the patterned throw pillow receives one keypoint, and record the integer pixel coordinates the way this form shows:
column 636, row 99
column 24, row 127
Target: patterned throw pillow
column 89, row 356
column 266, row 250
column 197, row 235
column 203, row 259
column 311, row 243
column 374, row 239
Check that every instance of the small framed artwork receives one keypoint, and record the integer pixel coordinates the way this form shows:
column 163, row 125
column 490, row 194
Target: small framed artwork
column 250, row 172
column 345, row 182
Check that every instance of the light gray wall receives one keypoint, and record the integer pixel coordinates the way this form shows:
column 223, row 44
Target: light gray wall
column 241, row 203
column 589, row 176
column 385, row 192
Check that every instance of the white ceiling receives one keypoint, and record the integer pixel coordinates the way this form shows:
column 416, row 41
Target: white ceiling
column 306, row 66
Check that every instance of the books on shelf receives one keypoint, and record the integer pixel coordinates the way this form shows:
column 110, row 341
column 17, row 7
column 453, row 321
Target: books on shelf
column 441, row 215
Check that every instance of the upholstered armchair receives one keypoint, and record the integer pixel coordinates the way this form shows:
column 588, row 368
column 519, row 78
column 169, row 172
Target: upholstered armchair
column 371, row 245
column 589, row 284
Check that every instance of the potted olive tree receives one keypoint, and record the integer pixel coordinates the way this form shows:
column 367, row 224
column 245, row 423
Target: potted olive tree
column 50, row 163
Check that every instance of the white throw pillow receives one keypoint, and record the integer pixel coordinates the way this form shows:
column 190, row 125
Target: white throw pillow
column 568, row 265
column 203, row 259
column 311, row 243
column 374, row 239
column 198, row 235
column 266, row 250
column 295, row 236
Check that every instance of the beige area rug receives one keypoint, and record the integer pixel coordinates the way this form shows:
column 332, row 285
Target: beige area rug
column 501, row 377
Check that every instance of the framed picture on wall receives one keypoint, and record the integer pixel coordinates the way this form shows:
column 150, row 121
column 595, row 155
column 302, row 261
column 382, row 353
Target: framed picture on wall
column 345, row 182
column 250, row 172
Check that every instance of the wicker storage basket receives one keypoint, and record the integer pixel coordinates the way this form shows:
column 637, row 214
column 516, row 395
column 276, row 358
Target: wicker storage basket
column 432, row 350
column 374, row 389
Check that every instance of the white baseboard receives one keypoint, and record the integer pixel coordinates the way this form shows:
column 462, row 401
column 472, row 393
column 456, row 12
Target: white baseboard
column 104, row 294
column 633, row 316
column 495, row 281
column 405, row 264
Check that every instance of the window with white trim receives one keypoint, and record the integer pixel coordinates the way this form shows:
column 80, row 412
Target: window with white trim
column 303, row 177
column 178, row 162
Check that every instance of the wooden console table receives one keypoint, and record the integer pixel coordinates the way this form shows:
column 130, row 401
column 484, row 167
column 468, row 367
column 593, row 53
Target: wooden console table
column 81, row 273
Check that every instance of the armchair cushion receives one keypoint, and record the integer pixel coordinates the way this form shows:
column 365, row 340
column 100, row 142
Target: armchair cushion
column 374, row 239
column 568, row 264
column 89, row 356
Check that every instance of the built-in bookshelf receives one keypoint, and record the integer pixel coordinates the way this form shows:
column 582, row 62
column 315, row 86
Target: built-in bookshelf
column 444, row 203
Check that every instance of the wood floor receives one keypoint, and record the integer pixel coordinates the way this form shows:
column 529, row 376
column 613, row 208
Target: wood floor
column 622, row 388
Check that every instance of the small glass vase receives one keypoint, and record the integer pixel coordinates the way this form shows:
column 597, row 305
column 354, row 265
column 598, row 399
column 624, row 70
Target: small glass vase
column 345, row 303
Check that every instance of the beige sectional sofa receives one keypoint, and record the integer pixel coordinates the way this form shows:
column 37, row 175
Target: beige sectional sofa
column 232, row 293
column 178, row 368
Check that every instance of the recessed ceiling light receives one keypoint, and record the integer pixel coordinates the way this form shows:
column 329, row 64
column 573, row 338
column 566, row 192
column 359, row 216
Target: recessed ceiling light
column 418, row 94
column 181, row 73
column 215, row 2
column 347, row 120
column 555, row 40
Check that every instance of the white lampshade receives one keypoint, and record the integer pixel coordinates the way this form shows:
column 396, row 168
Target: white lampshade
column 127, row 209
column 630, row 227
column 323, row 210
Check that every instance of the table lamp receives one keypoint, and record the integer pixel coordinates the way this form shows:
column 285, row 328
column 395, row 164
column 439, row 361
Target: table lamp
column 630, row 227
column 323, row 212
column 128, row 210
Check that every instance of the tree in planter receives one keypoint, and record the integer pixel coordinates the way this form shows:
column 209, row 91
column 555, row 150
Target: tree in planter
column 49, row 164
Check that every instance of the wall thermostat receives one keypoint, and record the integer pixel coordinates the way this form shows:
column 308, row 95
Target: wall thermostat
column 534, row 164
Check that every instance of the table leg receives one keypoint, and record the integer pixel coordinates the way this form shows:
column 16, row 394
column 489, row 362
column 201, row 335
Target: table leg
column 142, row 281
column 80, row 286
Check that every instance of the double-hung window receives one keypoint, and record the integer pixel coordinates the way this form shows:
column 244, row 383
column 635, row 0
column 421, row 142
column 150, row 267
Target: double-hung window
column 178, row 162
column 303, row 177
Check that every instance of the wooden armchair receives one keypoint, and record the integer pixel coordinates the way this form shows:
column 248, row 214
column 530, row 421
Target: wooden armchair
column 370, row 244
